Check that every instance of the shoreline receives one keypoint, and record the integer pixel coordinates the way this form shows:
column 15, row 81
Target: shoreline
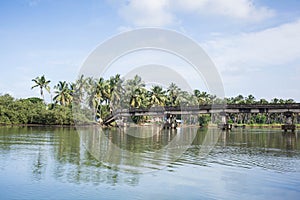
column 236, row 126
column 47, row 125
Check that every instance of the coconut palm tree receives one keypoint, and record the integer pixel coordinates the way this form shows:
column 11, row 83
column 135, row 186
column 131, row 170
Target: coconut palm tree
column 250, row 99
column 173, row 93
column 157, row 96
column 138, row 98
column 101, row 97
column 290, row 101
column 136, row 82
column 136, row 93
column 200, row 99
column 186, row 99
column 116, row 91
column 63, row 94
column 239, row 99
column 263, row 101
column 78, row 89
column 42, row 83
column 203, row 97
column 275, row 100
column 101, row 91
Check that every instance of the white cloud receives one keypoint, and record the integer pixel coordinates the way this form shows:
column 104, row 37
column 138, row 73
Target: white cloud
column 124, row 28
column 147, row 13
column 264, row 63
column 270, row 47
column 163, row 12
column 237, row 9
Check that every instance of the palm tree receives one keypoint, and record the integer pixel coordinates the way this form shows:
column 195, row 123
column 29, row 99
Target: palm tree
column 186, row 99
column 78, row 89
column 136, row 93
column 290, row 101
column 263, row 101
column 136, row 82
column 275, row 100
column 199, row 97
column 281, row 101
column 239, row 99
column 101, row 96
column 203, row 97
column 138, row 98
column 173, row 93
column 250, row 99
column 42, row 83
column 63, row 94
column 116, row 91
column 157, row 96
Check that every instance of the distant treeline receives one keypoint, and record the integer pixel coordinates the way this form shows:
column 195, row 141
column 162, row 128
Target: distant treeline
column 103, row 96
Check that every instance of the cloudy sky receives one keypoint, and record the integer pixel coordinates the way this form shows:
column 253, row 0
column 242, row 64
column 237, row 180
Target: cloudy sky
column 255, row 45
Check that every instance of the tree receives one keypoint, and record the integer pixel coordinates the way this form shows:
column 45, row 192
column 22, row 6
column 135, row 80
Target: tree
column 101, row 95
column 275, row 100
column 101, row 92
column 239, row 99
column 63, row 94
column 250, row 99
column 290, row 101
column 42, row 83
column 78, row 88
column 186, row 99
column 173, row 93
column 116, row 91
column 203, row 97
column 136, row 93
column 157, row 96
column 263, row 101
column 138, row 97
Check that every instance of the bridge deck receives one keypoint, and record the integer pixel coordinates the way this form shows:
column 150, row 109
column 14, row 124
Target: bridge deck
column 205, row 109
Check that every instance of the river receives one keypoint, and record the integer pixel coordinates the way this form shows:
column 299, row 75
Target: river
column 148, row 163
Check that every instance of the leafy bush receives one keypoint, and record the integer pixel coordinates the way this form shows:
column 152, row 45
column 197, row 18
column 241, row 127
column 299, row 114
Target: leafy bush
column 33, row 111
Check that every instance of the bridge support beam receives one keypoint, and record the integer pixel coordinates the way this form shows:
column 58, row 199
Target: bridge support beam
column 289, row 122
column 170, row 122
column 224, row 125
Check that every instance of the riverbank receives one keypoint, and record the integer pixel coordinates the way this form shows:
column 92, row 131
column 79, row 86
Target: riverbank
column 49, row 125
column 270, row 126
column 255, row 125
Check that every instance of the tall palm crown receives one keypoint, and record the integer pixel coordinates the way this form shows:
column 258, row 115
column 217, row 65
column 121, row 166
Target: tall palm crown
column 42, row 83
column 136, row 92
column 63, row 93
column 157, row 96
column 116, row 91
column 173, row 94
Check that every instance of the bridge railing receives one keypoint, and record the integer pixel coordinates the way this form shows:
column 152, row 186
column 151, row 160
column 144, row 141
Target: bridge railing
column 262, row 108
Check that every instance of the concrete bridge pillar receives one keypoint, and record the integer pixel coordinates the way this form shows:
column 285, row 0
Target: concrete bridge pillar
column 224, row 119
column 170, row 121
column 289, row 122
column 224, row 125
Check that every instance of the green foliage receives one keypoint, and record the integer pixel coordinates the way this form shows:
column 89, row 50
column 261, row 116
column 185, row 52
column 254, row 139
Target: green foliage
column 203, row 119
column 96, row 99
column 63, row 93
column 32, row 111
column 41, row 83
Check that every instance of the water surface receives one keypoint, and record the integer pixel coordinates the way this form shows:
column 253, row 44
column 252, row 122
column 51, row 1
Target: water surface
column 53, row 163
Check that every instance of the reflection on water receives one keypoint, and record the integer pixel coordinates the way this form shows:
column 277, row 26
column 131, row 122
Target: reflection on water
column 268, row 149
column 62, row 155
column 137, row 149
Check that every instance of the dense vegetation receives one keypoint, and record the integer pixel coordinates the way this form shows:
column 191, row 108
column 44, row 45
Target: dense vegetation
column 32, row 111
column 104, row 96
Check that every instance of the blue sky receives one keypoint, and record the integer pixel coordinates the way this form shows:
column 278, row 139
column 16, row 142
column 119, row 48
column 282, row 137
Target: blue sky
column 254, row 44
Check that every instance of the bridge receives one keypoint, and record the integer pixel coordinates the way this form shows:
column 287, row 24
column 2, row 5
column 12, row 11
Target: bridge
column 223, row 109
